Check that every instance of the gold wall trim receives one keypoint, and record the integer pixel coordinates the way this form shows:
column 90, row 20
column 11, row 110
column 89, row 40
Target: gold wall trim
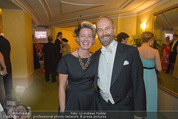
column 168, row 91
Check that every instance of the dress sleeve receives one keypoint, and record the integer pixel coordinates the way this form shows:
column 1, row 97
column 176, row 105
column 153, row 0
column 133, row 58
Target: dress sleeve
column 62, row 66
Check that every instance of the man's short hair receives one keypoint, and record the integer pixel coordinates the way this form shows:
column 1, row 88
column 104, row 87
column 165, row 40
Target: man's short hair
column 175, row 35
column 59, row 33
column 50, row 38
column 121, row 36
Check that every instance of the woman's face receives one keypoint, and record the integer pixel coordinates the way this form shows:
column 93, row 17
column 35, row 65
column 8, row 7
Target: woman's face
column 85, row 38
column 63, row 43
column 167, row 40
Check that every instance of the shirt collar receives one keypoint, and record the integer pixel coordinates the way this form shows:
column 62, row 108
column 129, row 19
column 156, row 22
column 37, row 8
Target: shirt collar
column 110, row 48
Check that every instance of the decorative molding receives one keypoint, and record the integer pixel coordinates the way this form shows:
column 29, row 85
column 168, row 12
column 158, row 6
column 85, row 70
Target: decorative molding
column 49, row 10
column 18, row 3
column 126, row 3
column 60, row 7
column 45, row 9
column 34, row 11
column 63, row 19
column 167, row 9
column 80, row 4
column 153, row 6
column 10, row 10
column 126, row 15
column 165, row 20
column 168, row 91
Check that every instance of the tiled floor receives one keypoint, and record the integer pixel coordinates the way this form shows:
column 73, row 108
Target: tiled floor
column 43, row 96
column 39, row 94
column 168, row 81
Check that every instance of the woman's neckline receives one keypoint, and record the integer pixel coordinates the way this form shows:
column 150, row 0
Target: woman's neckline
column 81, row 58
column 147, row 59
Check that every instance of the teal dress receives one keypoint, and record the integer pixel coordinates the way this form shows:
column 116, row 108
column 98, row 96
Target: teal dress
column 150, row 80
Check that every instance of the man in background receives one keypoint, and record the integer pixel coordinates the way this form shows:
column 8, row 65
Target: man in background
column 5, row 49
column 50, row 63
column 122, row 38
column 58, row 45
column 173, row 53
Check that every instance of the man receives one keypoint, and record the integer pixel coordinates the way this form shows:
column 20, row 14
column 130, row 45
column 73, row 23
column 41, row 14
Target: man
column 50, row 63
column 5, row 49
column 173, row 53
column 119, row 77
column 2, row 73
column 122, row 37
column 59, row 45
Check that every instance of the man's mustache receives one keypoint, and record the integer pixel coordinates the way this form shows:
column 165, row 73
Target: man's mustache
column 105, row 36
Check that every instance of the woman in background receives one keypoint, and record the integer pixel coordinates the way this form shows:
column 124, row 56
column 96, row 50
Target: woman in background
column 35, row 57
column 65, row 47
column 166, row 52
column 151, row 60
column 78, row 69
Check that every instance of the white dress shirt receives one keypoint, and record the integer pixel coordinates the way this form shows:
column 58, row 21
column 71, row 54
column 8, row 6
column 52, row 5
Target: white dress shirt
column 105, row 70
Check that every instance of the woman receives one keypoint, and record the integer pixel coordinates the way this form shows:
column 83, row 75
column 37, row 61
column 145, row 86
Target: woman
column 3, row 72
column 78, row 69
column 151, row 60
column 35, row 57
column 65, row 47
column 166, row 52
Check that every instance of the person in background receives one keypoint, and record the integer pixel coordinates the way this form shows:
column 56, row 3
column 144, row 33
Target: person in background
column 5, row 49
column 175, row 72
column 58, row 45
column 166, row 52
column 35, row 57
column 65, row 47
column 173, row 53
column 3, row 72
column 122, row 38
column 151, row 62
column 78, row 69
column 50, row 55
column 119, row 74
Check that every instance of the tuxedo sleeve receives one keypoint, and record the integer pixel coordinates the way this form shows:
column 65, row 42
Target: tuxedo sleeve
column 139, row 95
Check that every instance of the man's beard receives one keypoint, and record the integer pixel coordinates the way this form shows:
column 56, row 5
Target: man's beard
column 106, row 42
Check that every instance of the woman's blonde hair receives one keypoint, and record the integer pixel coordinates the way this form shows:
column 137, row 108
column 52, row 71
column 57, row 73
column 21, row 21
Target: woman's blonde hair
column 146, row 36
column 85, row 24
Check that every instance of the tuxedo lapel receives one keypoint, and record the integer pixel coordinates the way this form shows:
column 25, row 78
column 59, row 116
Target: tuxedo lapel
column 118, row 62
column 97, row 56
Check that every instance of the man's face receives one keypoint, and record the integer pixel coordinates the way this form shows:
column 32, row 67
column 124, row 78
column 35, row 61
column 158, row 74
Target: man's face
column 60, row 36
column 174, row 38
column 105, row 31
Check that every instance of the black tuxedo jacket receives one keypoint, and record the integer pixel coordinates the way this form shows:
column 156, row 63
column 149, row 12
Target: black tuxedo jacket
column 58, row 43
column 5, row 49
column 127, row 80
column 172, row 56
column 50, row 56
